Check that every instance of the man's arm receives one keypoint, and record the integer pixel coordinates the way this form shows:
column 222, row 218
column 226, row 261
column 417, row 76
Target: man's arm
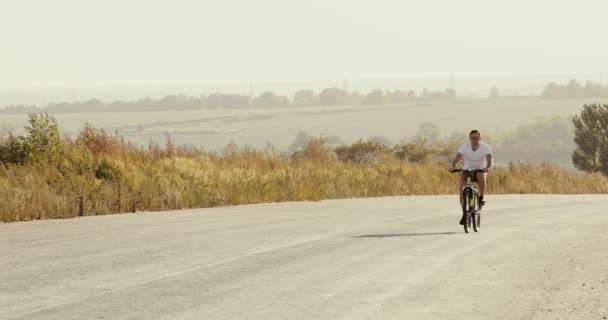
column 489, row 161
column 455, row 161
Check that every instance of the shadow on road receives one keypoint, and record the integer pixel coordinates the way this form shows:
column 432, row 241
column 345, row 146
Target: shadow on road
column 388, row 235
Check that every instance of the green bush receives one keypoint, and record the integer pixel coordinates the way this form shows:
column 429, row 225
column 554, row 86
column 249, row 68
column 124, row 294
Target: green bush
column 362, row 152
column 416, row 150
column 43, row 140
column 13, row 150
column 42, row 143
column 108, row 170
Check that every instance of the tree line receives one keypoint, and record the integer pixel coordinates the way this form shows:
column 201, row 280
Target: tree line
column 574, row 89
column 304, row 98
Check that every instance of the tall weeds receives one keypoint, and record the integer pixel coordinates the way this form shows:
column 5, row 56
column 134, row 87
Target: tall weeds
column 99, row 173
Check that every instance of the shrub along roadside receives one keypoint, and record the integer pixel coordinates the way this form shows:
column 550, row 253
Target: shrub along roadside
column 99, row 173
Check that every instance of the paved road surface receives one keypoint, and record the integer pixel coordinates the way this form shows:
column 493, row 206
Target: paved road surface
column 537, row 257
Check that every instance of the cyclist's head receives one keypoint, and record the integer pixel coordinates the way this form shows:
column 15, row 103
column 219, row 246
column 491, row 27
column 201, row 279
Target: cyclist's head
column 474, row 136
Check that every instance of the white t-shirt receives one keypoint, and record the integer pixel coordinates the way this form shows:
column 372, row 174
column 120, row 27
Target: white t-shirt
column 474, row 159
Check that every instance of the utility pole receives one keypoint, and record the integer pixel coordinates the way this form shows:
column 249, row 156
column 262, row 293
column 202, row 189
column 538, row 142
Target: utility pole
column 219, row 98
column 73, row 96
column 250, row 94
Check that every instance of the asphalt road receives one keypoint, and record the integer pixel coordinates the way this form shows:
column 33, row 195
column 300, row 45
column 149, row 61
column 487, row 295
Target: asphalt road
column 536, row 257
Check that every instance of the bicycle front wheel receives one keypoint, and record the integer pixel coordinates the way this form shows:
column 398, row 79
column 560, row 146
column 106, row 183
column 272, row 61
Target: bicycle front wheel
column 476, row 221
column 467, row 209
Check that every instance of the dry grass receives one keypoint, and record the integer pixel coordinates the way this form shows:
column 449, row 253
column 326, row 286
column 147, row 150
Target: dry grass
column 98, row 174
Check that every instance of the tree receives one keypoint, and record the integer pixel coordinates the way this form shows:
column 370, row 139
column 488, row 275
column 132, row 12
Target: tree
column 356, row 98
column 44, row 142
column 399, row 96
column 13, row 149
column 593, row 89
column 334, row 97
column 426, row 94
column 591, row 138
column 429, row 131
column 302, row 138
column 218, row 100
column 449, row 94
column 375, row 97
column 316, row 149
column 552, row 90
column 494, row 93
column 381, row 140
column 178, row 102
column 574, row 89
column 270, row 100
column 361, row 151
column 417, row 149
column 304, row 98
column 15, row 109
column 411, row 95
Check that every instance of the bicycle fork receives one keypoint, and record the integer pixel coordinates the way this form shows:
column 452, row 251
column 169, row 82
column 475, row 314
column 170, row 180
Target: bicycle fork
column 472, row 199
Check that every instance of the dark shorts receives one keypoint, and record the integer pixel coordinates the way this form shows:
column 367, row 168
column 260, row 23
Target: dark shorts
column 464, row 173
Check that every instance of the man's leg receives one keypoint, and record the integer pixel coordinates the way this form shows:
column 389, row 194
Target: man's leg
column 481, row 182
column 463, row 180
column 461, row 183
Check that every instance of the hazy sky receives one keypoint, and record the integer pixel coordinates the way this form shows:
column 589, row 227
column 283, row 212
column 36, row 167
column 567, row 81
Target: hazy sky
column 128, row 42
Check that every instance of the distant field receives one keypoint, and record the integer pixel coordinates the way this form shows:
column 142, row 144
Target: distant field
column 214, row 129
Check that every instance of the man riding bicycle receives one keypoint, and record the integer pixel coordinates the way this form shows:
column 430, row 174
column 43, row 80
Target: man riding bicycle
column 477, row 156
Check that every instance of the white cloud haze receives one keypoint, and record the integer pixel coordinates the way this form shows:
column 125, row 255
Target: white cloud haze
column 126, row 42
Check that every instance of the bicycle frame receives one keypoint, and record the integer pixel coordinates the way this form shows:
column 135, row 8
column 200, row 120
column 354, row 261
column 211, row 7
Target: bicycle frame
column 471, row 210
column 470, row 185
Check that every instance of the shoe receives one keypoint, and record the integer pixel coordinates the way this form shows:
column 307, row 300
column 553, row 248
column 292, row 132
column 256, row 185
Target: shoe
column 482, row 202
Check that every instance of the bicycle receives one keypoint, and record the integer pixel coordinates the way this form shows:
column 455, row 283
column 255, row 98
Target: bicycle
column 471, row 208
